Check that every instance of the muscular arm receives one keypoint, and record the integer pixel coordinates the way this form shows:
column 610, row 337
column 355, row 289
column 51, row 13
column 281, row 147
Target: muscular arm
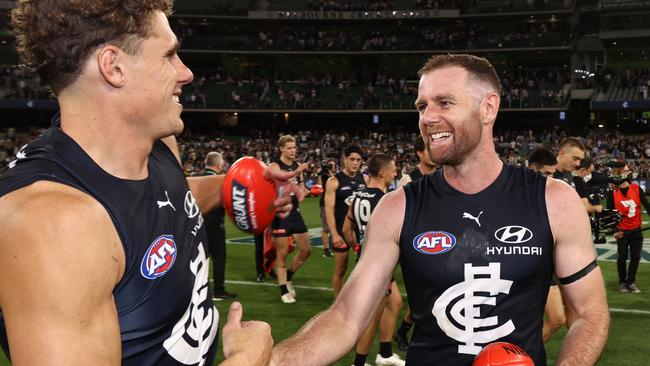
column 330, row 335
column 586, row 339
column 330, row 200
column 57, row 277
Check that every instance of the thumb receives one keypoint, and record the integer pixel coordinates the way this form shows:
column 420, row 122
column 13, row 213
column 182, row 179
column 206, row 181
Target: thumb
column 235, row 314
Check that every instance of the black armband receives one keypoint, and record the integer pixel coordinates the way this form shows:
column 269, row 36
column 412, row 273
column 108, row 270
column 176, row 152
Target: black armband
column 578, row 275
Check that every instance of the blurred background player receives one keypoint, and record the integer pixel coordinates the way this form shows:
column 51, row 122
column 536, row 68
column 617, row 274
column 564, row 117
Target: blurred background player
column 338, row 195
column 382, row 172
column 425, row 167
column 214, row 226
column 627, row 199
column 544, row 162
column 569, row 156
column 291, row 226
column 328, row 170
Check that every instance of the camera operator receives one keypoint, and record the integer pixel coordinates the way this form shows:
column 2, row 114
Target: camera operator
column 584, row 176
column 627, row 198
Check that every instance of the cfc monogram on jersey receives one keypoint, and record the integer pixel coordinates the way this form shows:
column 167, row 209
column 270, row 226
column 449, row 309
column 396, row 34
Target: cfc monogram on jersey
column 476, row 267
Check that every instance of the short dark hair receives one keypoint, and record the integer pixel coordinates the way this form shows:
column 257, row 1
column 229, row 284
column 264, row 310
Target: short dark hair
column 586, row 163
column 572, row 142
column 377, row 162
column 352, row 148
column 478, row 68
column 55, row 38
column 419, row 144
column 541, row 157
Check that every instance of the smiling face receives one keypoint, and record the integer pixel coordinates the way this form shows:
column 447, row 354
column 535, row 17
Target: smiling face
column 449, row 114
column 156, row 75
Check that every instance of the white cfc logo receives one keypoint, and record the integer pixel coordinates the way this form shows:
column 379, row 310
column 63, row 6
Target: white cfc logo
column 466, row 310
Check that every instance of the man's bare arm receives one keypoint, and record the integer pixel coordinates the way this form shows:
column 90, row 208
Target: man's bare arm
column 348, row 227
column 574, row 251
column 57, row 277
column 330, row 201
column 331, row 334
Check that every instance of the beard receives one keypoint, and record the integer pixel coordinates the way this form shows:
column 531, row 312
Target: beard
column 464, row 140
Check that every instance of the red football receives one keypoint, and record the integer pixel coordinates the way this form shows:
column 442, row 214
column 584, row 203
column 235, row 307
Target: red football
column 248, row 195
column 316, row 190
column 502, row 354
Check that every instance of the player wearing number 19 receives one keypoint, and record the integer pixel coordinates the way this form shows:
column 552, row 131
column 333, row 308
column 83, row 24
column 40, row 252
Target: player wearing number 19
column 382, row 172
column 477, row 241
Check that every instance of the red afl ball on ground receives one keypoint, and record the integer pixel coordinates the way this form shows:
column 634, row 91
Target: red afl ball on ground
column 502, row 354
column 316, row 190
column 248, row 195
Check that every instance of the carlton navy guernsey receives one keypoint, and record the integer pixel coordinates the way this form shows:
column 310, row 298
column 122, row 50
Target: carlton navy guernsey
column 363, row 205
column 343, row 196
column 296, row 180
column 163, row 301
column 476, row 267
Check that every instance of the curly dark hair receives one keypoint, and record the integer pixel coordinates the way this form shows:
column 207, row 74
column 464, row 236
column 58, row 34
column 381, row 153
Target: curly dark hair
column 54, row 38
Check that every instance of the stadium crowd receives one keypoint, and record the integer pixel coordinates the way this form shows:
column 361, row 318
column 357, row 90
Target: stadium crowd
column 393, row 36
column 314, row 147
column 229, row 7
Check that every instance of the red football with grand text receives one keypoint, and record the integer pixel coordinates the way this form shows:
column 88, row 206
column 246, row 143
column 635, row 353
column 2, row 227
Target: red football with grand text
column 248, row 195
column 502, row 354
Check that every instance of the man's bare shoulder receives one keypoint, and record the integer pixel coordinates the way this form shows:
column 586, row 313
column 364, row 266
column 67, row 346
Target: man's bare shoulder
column 52, row 201
column 34, row 217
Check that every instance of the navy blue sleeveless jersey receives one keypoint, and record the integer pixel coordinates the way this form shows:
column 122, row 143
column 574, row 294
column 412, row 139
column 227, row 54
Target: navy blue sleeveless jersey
column 163, row 301
column 363, row 205
column 344, row 195
column 296, row 180
column 476, row 267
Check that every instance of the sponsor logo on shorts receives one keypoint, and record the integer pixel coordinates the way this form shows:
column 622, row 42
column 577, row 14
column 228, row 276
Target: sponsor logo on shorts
column 434, row 242
column 159, row 258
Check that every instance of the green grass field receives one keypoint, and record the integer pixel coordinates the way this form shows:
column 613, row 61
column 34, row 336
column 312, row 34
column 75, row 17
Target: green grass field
column 627, row 345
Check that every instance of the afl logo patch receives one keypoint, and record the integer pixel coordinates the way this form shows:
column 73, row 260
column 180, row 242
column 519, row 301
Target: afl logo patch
column 513, row 234
column 434, row 242
column 159, row 258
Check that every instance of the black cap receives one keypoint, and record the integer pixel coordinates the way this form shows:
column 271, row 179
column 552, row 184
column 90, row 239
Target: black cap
column 616, row 164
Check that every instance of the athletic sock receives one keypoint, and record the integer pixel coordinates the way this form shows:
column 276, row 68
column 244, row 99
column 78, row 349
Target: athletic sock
column 385, row 349
column 289, row 275
column 283, row 289
column 359, row 359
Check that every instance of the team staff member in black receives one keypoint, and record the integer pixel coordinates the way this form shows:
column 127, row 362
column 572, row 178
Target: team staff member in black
column 627, row 199
column 569, row 156
column 471, row 278
column 338, row 196
column 291, row 226
column 327, row 171
column 381, row 172
column 126, row 282
column 214, row 226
